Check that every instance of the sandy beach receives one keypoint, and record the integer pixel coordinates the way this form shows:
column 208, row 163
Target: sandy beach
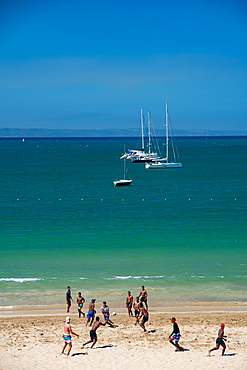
column 35, row 342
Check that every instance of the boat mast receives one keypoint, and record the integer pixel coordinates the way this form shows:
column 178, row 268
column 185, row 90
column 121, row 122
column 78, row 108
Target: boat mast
column 142, row 130
column 167, row 138
column 149, row 133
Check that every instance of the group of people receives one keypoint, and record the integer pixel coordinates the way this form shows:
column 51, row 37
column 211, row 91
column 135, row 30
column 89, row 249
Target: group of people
column 140, row 307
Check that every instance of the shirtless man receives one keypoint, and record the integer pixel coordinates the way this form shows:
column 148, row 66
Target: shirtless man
column 136, row 307
column 67, row 336
column 175, row 335
column 92, row 333
column 220, row 341
column 144, row 315
column 80, row 303
column 106, row 313
column 144, row 296
column 129, row 302
column 91, row 312
column 68, row 298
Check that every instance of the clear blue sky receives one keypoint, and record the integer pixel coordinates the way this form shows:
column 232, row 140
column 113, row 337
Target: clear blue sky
column 94, row 64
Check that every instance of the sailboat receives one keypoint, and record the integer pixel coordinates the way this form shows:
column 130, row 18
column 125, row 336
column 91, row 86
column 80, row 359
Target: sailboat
column 139, row 155
column 124, row 181
column 164, row 162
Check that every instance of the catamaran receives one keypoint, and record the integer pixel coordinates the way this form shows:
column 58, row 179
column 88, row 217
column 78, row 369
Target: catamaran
column 164, row 162
column 139, row 155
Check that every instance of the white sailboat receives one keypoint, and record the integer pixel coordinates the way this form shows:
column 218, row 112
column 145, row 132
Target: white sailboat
column 164, row 162
column 139, row 155
column 124, row 181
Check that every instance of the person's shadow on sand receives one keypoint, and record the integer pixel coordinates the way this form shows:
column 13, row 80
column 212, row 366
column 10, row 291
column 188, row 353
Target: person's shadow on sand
column 230, row 354
column 79, row 354
column 108, row 346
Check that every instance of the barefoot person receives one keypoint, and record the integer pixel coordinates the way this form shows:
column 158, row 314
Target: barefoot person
column 144, row 296
column 144, row 316
column 67, row 336
column 80, row 303
column 220, row 341
column 91, row 312
column 129, row 302
column 68, row 298
column 175, row 335
column 92, row 333
column 136, row 307
column 106, row 313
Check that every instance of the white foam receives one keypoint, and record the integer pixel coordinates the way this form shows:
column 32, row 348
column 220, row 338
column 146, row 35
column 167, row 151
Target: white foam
column 6, row 307
column 20, row 280
column 135, row 277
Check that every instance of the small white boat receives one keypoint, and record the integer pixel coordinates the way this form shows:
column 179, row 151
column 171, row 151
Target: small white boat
column 124, row 181
column 164, row 162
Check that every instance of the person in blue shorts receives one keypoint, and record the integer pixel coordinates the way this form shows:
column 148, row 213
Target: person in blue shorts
column 106, row 313
column 93, row 335
column 67, row 336
column 175, row 335
column 91, row 312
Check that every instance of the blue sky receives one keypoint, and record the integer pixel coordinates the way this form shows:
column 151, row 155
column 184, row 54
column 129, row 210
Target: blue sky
column 93, row 64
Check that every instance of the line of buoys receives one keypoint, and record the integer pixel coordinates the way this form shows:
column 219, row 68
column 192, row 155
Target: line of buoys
column 102, row 199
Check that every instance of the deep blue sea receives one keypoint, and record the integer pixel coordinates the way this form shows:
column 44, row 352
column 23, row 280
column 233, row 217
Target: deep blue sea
column 180, row 232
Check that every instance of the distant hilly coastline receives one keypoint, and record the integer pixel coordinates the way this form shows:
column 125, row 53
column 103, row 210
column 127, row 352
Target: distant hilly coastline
column 49, row 133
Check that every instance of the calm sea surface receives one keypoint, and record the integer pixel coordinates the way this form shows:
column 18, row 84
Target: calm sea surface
column 180, row 232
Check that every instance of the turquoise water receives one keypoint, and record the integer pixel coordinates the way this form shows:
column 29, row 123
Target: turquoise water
column 180, row 232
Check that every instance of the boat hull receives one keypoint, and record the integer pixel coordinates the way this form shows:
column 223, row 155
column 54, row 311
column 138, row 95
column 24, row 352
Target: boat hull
column 161, row 165
column 122, row 182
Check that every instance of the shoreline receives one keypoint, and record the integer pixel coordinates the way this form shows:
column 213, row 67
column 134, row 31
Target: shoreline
column 185, row 307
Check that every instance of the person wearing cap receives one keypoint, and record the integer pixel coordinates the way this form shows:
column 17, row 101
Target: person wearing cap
column 91, row 312
column 129, row 302
column 67, row 336
column 106, row 313
column 175, row 335
column 220, row 341
column 136, row 307
column 68, row 298
column 93, row 335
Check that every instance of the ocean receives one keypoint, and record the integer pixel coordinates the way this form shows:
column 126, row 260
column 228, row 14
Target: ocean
column 179, row 232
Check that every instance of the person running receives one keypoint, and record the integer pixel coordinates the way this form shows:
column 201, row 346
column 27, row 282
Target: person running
column 136, row 307
column 144, row 296
column 91, row 312
column 67, row 336
column 220, row 341
column 106, row 313
column 175, row 335
column 144, row 316
column 68, row 298
column 129, row 303
column 80, row 303
column 93, row 335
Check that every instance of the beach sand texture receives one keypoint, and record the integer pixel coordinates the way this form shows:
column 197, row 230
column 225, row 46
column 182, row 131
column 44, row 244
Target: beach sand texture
column 35, row 342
